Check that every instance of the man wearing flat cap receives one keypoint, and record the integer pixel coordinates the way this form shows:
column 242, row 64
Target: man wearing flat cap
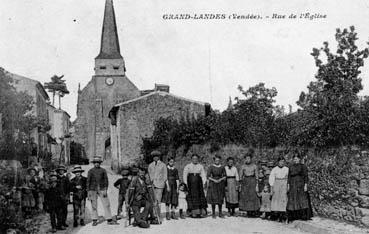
column 158, row 175
column 97, row 186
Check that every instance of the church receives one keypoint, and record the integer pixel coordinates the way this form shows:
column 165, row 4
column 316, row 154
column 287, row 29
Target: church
column 113, row 115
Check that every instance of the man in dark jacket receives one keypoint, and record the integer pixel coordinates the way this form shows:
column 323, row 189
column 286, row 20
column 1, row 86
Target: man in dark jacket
column 64, row 185
column 53, row 197
column 97, row 186
column 79, row 189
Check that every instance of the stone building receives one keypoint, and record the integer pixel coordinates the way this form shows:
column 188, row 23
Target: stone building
column 135, row 110
column 134, row 119
column 40, row 98
column 59, row 133
column 108, row 86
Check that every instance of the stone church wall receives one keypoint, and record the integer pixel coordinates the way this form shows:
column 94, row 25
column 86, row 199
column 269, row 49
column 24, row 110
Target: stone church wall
column 94, row 103
column 136, row 118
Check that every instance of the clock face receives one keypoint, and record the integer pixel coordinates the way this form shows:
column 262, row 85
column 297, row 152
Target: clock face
column 109, row 81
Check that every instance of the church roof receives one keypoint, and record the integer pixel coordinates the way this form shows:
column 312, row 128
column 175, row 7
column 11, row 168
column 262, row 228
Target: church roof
column 161, row 93
column 109, row 38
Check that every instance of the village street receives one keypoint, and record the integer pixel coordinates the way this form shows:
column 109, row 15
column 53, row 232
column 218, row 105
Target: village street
column 187, row 226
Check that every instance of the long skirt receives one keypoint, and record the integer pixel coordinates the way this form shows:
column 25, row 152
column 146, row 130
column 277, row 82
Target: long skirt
column 231, row 193
column 279, row 198
column 215, row 193
column 297, row 197
column 196, row 197
column 249, row 200
column 170, row 197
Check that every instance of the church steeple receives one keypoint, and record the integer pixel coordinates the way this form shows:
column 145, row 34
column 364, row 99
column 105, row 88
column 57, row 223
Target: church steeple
column 109, row 61
column 109, row 38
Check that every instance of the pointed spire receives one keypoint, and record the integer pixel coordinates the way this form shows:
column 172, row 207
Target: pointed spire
column 109, row 39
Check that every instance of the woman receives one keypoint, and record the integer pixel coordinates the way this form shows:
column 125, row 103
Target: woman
column 216, row 190
column 278, row 182
column 194, row 177
column 170, row 195
column 298, row 201
column 249, row 200
column 232, row 186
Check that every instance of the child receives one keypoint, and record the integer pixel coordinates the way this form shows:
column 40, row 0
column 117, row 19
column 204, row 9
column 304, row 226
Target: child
column 265, row 202
column 28, row 200
column 53, row 197
column 170, row 195
column 182, row 203
column 122, row 184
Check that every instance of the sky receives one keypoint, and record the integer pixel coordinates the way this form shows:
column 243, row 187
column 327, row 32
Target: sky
column 203, row 60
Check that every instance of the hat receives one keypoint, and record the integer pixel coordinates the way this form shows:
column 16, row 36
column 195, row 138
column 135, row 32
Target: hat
column 96, row 159
column 61, row 167
column 125, row 172
column 77, row 168
column 53, row 173
column 156, row 153
column 263, row 162
column 270, row 164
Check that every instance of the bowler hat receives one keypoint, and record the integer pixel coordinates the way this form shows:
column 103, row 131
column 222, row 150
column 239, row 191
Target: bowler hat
column 96, row 159
column 61, row 168
column 77, row 169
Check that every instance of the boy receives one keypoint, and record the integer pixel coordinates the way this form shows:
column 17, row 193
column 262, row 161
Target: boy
column 53, row 199
column 122, row 184
column 79, row 189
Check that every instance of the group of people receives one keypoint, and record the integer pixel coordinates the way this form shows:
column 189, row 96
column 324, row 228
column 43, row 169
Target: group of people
column 277, row 194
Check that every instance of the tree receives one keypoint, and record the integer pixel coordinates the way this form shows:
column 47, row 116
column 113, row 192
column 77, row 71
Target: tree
column 255, row 115
column 330, row 106
column 57, row 86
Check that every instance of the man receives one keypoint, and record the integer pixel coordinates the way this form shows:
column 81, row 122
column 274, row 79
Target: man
column 158, row 175
column 139, row 196
column 79, row 189
column 97, row 186
column 53, row 198
column 64, row 185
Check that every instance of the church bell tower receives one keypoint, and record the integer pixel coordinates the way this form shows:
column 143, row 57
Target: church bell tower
column 109, row 61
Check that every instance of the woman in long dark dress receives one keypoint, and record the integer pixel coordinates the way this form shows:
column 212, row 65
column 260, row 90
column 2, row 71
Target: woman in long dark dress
column 216, row 190
column 249, row 201
column 298, row 201
column 194, row 177
column 170, row 195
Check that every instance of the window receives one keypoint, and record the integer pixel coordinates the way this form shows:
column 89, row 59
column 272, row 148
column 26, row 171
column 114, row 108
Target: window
column 102, row 67
column 116, row 67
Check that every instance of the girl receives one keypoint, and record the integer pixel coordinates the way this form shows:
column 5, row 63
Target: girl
column 28, row 201
column 298, row 202
column 249, row 200
column 170, row 195
column 232, row 186
column 216, row 190
column 278, row 182
column 182, row 203
column 266, row 197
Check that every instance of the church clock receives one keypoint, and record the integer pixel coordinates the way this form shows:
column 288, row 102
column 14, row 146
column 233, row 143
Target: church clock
column 109, row 81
